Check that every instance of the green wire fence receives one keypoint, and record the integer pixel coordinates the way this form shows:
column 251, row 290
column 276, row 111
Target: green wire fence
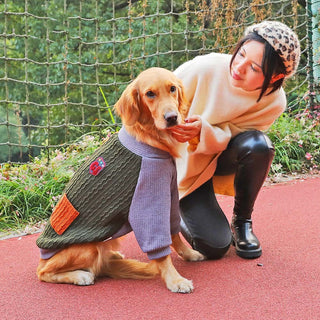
column 64, row 63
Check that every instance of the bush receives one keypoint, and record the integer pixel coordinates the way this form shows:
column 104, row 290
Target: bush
column 30, row 191
column 297, row 143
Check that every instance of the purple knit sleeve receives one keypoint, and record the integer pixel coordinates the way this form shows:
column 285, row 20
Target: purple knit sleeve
column 175, row 208
column 151, row 208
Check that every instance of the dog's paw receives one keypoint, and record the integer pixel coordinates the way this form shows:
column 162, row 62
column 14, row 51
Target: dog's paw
column 193, row 255
column 181, row 286
column 83, row 278
column 197, row 256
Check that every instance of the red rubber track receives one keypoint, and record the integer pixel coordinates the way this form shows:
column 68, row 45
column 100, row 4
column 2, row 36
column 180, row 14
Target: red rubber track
column 284, row 283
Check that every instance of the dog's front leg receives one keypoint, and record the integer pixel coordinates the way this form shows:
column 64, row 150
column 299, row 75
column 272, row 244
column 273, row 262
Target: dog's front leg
column 184, row 251
column 173, row 280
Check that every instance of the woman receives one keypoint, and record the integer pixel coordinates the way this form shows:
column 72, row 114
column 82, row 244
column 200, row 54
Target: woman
column 233, row 99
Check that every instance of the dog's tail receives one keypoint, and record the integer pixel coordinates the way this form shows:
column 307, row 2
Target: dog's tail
column 111, row 263
column 130, row 269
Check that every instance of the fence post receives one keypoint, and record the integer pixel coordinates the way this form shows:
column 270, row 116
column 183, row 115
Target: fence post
column 313, row 10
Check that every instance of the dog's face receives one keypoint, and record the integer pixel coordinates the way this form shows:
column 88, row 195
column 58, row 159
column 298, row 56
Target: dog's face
column 157, row 96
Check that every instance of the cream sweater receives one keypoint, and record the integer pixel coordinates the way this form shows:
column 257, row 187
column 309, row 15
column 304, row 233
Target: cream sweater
column 225, row 112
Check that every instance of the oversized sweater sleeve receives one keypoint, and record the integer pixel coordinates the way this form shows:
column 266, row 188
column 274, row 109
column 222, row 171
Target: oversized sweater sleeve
column 214, row 138
column 225, row 111
column 151, row 210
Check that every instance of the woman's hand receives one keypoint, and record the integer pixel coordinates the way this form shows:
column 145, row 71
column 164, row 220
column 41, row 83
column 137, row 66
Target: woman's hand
column 185, row 132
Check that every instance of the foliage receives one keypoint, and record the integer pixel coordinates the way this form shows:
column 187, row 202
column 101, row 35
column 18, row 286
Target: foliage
column 29, row 191
column 15, row 131
column 296, row 140
column 56, row 56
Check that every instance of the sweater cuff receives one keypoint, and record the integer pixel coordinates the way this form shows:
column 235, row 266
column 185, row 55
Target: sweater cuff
column 159, row 253
column 213, row 139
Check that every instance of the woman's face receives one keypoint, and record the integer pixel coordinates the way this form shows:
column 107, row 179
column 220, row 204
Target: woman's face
column 246, row 69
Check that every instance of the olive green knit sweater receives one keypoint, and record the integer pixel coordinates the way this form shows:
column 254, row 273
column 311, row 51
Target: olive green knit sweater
column 102, row 199
column 124, row 186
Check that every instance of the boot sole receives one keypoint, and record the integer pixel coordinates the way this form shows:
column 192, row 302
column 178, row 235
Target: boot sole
column 247, row 254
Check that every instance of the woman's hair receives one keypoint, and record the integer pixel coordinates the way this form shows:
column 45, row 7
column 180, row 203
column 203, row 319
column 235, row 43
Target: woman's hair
column 271, row 63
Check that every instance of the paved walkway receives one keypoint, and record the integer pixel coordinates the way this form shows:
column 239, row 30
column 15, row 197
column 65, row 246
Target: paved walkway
column 284, row 283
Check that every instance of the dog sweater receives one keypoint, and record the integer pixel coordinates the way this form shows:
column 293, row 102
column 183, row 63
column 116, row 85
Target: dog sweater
column 125, row 185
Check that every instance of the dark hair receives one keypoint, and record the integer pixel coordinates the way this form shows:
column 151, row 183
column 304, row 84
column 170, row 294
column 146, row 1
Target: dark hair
column 271, row 62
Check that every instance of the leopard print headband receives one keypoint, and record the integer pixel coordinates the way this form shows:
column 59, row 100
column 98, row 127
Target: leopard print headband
column 284, row 41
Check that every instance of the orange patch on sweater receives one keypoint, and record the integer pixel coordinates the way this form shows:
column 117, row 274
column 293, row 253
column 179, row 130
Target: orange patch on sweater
column 63, row 215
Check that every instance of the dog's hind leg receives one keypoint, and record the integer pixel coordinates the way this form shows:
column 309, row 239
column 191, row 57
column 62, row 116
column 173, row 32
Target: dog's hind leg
column 185, row 252
column 78, row 277
column 74, row 265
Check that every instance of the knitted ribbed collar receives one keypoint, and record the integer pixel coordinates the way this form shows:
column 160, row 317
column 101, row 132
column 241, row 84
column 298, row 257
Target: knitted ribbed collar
column 140, row 148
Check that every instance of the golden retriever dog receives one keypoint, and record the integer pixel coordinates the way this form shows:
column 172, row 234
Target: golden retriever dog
column 151, row 104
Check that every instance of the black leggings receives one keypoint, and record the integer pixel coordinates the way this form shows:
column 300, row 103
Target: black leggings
column 203, row 224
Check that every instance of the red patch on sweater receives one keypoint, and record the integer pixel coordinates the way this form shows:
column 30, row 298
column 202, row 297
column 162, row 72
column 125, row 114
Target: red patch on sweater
column 97, row 166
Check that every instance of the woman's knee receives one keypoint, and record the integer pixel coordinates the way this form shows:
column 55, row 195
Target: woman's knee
column 209, row 250
column 248, row 145
column 252, row 142
column 204, row 224
column 210, row 240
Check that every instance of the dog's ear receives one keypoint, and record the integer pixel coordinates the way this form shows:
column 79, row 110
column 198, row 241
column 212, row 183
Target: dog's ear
column 127, row 106
column 182, row 99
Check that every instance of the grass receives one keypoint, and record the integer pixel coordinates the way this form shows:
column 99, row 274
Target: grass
column 30, row 191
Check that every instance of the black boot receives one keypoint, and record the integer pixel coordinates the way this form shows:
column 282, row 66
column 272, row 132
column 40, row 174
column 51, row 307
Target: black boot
column 249, row 154
column 245, row 241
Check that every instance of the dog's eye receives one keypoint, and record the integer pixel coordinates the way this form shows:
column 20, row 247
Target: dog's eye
column 150, row 94
column 173, row 89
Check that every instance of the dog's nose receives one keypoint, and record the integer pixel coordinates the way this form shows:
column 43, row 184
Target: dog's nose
column 171, row 118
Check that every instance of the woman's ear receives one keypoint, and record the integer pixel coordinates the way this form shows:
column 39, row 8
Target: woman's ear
column 276, row 78
column 127, row 106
